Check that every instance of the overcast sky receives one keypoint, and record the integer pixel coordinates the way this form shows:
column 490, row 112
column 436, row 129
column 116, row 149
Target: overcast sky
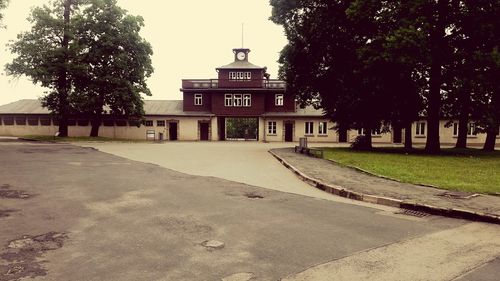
column 190, row 38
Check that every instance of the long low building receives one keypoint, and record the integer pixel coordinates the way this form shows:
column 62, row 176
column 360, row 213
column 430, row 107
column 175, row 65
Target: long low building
column 241, row 104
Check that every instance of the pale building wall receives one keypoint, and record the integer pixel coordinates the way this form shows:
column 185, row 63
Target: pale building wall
column 298, row 130
column 384, row 137
column 446, row 135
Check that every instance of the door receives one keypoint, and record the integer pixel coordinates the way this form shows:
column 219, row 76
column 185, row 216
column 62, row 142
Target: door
column 172, row 130
column 204, row 131
column 288, row 132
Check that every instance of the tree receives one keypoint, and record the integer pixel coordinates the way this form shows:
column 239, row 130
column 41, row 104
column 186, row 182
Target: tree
column 3, row 5
column 114, row 63
column 45, row 54
column 89, row 54
column 339, row 58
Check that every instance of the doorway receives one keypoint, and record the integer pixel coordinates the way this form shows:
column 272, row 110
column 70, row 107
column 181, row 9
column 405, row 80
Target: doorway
column 172, row 131
column 289, row 132
column 241, row 128
column 204, row 131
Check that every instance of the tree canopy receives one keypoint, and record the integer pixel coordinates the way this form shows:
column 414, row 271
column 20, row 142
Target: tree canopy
column 373, row 62
column 90, row 56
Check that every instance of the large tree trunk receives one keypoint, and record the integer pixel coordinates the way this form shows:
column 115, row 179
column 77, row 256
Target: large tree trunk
column 95, row 123
column 342, row 133
column 434, row 98
column 63, row 75
column 368, row 137
column 463, row 118
column 491, row 136
column 408, row 140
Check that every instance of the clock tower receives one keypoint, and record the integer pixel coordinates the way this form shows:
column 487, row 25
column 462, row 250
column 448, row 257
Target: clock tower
column 241, row 54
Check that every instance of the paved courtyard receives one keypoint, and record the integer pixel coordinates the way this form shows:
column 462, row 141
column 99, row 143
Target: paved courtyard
column 73, row 213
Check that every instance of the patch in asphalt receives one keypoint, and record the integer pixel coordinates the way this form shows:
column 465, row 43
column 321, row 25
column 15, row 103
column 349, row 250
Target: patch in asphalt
column 253, row 195
column 6, row 212
column 6, row 192
column 23, row 255
column 181, row 225
column 212, row 244
column 244, row 276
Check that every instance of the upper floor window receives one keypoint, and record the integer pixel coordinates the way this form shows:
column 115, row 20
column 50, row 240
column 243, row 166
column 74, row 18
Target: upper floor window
column 278, row 100
column 322, row 128
column 198, row 99
column 237, row 101
column 149, row 123
column 247, row 100
column 309, row 128
column 160, row 123
column 240, row 75
column 420, row 129
column 271, row 127
column 228, row 100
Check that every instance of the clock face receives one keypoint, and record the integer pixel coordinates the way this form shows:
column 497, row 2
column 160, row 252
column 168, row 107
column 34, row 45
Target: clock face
column 241, row 56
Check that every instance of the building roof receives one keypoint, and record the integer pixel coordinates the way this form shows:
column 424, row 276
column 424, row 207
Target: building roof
column 240, row 65
column 26, row 106
column 308, row 111
column 151, row 107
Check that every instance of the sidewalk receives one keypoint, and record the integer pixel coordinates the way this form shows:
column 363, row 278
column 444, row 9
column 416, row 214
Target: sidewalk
column 350, row 183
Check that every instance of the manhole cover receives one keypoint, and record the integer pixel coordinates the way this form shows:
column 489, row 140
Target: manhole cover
column 458, row 195
column 413, row 213
column 253, row 195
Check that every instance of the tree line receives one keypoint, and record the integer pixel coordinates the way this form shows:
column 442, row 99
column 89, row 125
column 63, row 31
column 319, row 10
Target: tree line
column 89, row 55
column 369, row 63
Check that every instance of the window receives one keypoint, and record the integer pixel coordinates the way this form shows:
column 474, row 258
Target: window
column 198, row 99
column 237, row 100
column 82, row 123
column 455, row 129
column 278, row 100
column 239, row 75
column 271, row 127
column 228, row 100
column 309, row 128
column 108, row 122
column 44, row 121
column 8, row 121
column 121, row 123
column 420, row 129
column 247, row 100
column 375, row 132
column 471, row 129
column 32, row 121
column 322, row 128
column 20, row 121
column 160, row 123
column 148, row 123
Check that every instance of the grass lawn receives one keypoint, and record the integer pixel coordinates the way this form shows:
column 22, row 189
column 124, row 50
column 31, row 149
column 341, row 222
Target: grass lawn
column 77, row 139
column 470, row 170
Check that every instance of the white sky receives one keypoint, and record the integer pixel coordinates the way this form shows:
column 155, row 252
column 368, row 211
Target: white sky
column 190, row 38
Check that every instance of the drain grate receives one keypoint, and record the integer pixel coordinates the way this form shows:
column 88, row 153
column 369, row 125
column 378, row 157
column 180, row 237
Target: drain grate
column 413, row 213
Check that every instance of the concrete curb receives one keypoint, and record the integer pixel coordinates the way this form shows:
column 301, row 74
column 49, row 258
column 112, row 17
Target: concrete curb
column 392, row 202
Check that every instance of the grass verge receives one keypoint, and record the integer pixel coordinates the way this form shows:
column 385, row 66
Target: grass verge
column 470, row 170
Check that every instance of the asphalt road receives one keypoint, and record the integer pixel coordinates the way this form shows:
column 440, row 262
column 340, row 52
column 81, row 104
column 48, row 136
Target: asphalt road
column 72, row 213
